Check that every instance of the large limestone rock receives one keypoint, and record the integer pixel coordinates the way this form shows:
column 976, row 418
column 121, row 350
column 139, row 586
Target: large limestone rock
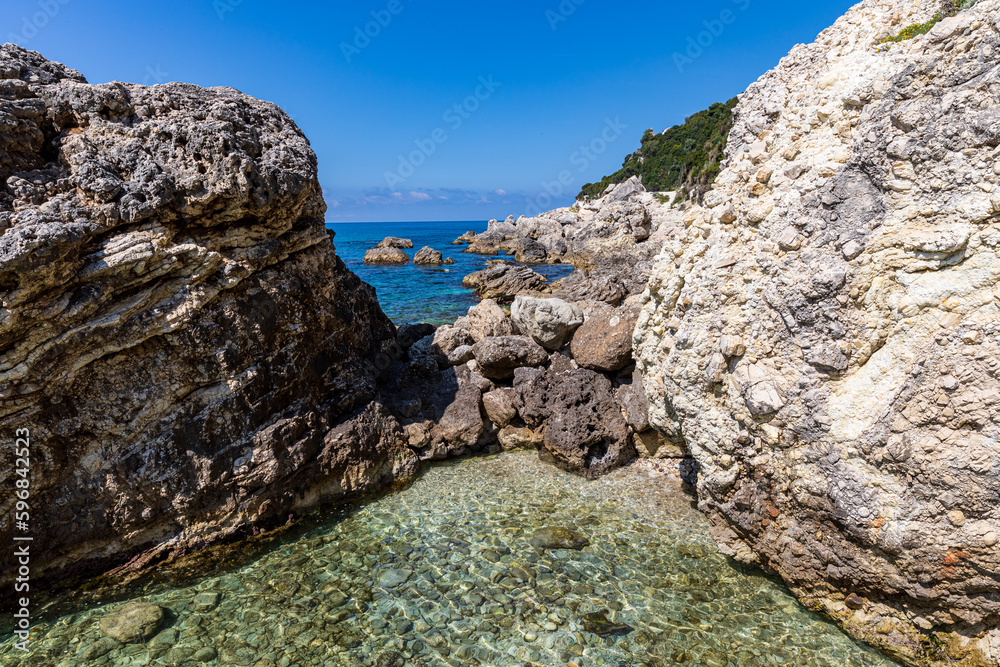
column 176, row 330
column 848, row 438
column 503, row 281
column 548, row 321
column 386, row 255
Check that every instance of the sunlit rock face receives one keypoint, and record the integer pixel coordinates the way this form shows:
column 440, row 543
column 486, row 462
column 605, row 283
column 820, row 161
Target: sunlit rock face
column 177, row 333
column 824, row 334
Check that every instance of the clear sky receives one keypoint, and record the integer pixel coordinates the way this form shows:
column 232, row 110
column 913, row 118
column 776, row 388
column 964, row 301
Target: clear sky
column 541, row 87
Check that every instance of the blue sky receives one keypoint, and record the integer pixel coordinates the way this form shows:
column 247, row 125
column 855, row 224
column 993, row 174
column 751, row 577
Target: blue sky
column 444, row 110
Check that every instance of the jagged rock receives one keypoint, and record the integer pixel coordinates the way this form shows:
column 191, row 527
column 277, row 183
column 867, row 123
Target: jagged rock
column 460, row 355
column 499, row 357
column 604, row 341
column 549, row 322
column 583, row 430
column 499, row 405
column 462, row 424
column 386, row 256
column 133, row 622
column 486, row 320
column 465, row 239
column 165, row 266
column 598, row 285
column 408, row 334
column 513, row 438
column 503, row 281
column 527, row 250
column 428, row 256
column 395, row 242
column 859, row 274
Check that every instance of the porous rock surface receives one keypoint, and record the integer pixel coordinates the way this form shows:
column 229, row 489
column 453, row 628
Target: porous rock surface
column 825, row 333
column 189, row 354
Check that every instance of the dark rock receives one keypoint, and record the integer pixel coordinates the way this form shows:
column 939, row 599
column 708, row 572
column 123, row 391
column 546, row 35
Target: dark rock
column 461, row 425
column 583, row 430
column 499, row 357
column 598, row 623
column 557, row 538
column 408, row 334
column 527, row 250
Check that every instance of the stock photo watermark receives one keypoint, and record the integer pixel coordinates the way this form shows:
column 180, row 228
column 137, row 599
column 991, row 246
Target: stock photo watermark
column 31, row 24
column 582, row 158
column 155, row 76
column 223, row 7
column 22, row 538
column 714, row 28
column 455, row 117
column 364, row 35
column 562, row 13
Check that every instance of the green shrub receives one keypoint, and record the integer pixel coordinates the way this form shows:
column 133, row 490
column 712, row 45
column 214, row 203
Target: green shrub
column 948, row 8
column 685, row 157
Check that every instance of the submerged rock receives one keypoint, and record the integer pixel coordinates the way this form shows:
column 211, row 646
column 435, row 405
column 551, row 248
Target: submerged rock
column 558, row 538
column 598, row 623
column 134, row 622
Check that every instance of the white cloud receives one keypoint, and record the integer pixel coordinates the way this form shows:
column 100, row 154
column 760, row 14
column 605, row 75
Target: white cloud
column 502, row 193
column 420, row 196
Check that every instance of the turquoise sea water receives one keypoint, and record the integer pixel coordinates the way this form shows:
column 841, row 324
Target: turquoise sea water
column 419, row 293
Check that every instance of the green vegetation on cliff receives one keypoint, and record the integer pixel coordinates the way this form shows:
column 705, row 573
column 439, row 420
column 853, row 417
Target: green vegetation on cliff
column 948, row 8
column 685, row 158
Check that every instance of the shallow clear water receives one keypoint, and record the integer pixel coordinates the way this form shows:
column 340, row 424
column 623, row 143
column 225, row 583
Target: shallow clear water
column 443, row 574
column 420, row 293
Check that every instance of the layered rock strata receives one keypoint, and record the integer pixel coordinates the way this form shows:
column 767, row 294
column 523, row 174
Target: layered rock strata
column 824, row 334
column 177, row 334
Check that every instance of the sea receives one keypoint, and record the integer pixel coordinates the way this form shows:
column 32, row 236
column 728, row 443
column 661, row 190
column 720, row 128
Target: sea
column 410, row 293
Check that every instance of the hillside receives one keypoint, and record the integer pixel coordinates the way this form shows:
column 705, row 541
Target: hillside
column 685, row 157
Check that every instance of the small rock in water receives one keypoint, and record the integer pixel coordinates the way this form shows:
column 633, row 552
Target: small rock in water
column 135, row 622
column 102, row 646
column 205, row 601
column 389, row 659
column 598, row 623
column 558, row 538
column 206, row 654
column 393, row 578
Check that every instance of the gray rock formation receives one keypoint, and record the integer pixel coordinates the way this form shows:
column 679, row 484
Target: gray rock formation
column 176, row 331
column 549, row 322
column 499, row 357
column 395, row 242
column 848, row 439
column 503, row 281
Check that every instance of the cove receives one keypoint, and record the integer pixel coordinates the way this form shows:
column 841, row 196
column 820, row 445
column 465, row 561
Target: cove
column 445, row 572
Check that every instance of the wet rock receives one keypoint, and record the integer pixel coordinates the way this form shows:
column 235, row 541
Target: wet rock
column 513, row 438
column 134, row 622
column 550, row 322
column 499, row 357
column 206, row 654
column 428, row 256
column 503, row 281
column 389, row 659
column 395, row 242
column 205, row 601
column 557, row 538
column 386, row 256
column 582, row 427
column 485, row 320
column 394, row 578
column 101, row 647
column 604, row 341
column 598, row 623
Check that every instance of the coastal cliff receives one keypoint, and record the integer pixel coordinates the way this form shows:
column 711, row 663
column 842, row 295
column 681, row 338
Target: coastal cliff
column 191, row 358
column 824, row 333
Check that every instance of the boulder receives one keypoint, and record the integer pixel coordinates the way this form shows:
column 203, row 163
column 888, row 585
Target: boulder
column 503, row 281
column 549, row 322
column 604, row 341
column 513, row 438
column 386, row 257
column 597, row 285
column 583, row 430
column 428, row 256
column 461, row 425
column 408, row 334
column 485, row 320
column 164, row 264
column 558, row 538
column 527, row 250
column 395, row 242
column 465, row 239
column 500, row 406
column 499, row 357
